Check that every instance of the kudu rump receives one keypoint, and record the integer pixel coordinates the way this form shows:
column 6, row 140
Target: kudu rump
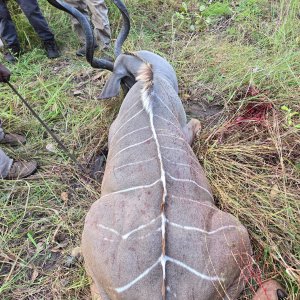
column 156, row 233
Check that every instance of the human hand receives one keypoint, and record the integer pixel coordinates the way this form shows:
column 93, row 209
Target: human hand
column 4, row 74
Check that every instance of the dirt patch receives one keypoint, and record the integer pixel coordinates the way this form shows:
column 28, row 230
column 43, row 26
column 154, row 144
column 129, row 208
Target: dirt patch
column 98, row 165
column 207, row 113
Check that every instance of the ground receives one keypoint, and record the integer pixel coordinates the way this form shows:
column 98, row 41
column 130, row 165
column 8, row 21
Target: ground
column 238, row 66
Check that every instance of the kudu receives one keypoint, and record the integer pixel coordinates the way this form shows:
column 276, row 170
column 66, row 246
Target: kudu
column 156, row 233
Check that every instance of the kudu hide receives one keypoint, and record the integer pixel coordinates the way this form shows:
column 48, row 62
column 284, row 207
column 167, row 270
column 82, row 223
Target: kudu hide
column 156, row 233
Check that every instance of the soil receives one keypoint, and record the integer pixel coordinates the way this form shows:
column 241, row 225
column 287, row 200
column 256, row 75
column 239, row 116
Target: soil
column 207, row 113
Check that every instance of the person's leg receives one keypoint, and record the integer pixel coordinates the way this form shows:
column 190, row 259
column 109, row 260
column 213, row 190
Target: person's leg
column 10, row 169
column 5, row 161
column 100, row 21
column 8, row 31
column 35, row 17
column 82, row 7
column 11, row 139
column 5, row 164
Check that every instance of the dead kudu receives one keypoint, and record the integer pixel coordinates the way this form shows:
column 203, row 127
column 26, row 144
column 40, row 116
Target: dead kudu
column 159, row 234
column 156, row 233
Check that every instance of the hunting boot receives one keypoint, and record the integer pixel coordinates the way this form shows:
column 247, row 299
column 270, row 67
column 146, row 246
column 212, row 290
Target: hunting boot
column 12, row 53
column 21, row 169
column 51, row 49
column 13, row 139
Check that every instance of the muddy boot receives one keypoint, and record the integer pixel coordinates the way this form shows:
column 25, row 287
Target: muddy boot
column 51, row 49
column 13, row 139
column 13, row 52
column 21, row 169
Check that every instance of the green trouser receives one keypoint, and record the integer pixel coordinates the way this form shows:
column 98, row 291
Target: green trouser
column 99, row 19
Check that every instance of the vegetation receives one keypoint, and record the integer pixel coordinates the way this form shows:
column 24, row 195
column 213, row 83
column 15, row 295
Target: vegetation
column 238, row 65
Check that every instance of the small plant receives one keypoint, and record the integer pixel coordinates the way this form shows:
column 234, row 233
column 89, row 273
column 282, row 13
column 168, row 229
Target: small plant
column 202, row 16
column 250, row 9
column 191, row 19
column 290, row 114
column 215, row 10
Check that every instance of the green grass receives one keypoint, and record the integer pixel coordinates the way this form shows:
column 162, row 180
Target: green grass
column 217, row 49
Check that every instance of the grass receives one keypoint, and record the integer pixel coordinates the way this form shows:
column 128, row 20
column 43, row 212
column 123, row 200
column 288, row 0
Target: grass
column 219, row 50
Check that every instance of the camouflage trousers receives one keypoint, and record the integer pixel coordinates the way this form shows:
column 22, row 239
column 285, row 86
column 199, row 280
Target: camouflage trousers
column 99, row 18
column 5, row 161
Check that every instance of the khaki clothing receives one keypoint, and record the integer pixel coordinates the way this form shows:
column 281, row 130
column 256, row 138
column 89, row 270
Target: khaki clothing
column 5, row 164
column 99, row 20
column 5, row 161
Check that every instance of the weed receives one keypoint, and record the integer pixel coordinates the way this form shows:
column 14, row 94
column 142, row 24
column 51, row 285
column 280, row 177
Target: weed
column 290, row 114
column 198, row 17
column 215, row 9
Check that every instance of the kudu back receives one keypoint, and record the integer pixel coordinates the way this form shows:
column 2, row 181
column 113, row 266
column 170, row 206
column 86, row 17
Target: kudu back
column 155, row 233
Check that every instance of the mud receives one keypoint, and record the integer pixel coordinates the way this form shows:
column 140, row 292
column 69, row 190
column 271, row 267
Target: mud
column 207, row 113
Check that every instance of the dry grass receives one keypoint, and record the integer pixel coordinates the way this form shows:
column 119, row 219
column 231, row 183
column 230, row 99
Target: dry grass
column 251, row 171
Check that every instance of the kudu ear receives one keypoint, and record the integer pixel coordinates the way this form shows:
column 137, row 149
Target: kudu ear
column 112, row 87
column 121, row 75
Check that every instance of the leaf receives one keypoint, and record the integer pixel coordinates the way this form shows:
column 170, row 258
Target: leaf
column 97, row 76
column 274, row 191
column 51, row 148
column 76, row 252
column 184, row 6
column 285, row 108
column 60, row 246
column 34, row 275
column 179, row 15
column 209, row 98
column 208, row 20
column 31, row 239
column 77, row 92
column 64, row 196
column 192, row 27
column 186, row 96
column 202, row 7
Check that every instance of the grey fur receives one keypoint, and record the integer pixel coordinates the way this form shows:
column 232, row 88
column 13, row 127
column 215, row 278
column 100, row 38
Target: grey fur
column 126, row 68
column 152, row 172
